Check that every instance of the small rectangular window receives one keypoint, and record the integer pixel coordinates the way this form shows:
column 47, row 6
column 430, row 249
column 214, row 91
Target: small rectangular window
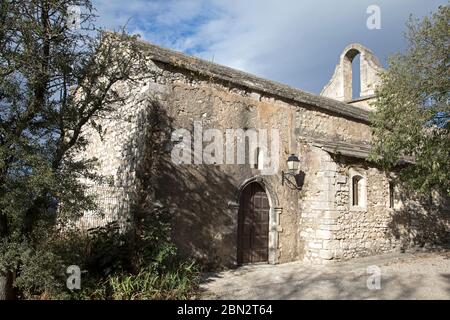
column 355, row 182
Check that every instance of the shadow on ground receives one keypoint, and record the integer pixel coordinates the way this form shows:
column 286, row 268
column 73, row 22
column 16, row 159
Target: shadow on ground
column 401, row 278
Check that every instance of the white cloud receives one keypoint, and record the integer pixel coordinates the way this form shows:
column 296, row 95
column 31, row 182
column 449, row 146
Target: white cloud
column 291, row 41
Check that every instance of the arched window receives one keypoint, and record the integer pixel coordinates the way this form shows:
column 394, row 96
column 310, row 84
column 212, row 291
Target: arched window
column 358, row 192
column 356, row 77
column 352, row 74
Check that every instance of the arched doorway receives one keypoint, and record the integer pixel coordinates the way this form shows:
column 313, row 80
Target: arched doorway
column 253, row 225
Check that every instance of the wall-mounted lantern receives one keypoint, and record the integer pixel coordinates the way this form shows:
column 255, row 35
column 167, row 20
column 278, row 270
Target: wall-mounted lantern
column 291, row 176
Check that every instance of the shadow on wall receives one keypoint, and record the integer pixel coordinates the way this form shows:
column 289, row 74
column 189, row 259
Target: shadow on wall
column 421, row 221
column 196, row 195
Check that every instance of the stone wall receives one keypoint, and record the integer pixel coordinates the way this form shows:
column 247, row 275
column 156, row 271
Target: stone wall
column 363, row 230
column 337, row 230
column 317, row 199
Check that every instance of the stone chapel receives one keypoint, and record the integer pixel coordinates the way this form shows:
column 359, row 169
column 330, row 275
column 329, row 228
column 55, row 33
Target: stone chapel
column 334, row 205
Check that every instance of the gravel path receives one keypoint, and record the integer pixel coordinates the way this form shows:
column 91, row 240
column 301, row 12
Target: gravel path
column 403, row 276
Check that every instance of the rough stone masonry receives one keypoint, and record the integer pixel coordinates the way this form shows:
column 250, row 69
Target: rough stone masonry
column 345, row 206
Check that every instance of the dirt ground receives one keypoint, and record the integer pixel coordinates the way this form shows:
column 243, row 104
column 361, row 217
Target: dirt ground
column 420, row 275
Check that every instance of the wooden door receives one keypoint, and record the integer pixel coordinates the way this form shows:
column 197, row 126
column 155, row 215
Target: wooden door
column 253, row 225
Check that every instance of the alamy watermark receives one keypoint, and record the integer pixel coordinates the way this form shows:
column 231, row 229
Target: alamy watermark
column 374, row 280
column 74, row 279
column 374, row 20
column 73, row 17
column 257, row 147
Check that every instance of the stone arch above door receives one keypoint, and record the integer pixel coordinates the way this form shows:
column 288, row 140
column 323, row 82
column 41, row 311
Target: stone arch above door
column 273, row 198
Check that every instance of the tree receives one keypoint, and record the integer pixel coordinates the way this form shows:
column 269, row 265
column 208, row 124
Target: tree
column 412, row 108
column 58, row 72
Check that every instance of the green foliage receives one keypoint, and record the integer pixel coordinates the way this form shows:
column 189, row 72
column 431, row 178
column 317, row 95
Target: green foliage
column 54, row 83
column 108, row 250
column 412, row 108
column 153, row 244
column 40, row 271
column 107, row 256
column 160, row 274
column 126, row 264
column 113, row 250
column 104, row 254
column 41, row 267
column 178, row 282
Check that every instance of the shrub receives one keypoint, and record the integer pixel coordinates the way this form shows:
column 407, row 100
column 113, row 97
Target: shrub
column 139, row 262
column 104, row 256
column 178, row 282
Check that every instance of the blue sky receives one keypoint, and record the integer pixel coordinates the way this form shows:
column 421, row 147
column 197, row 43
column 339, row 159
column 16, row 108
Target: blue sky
column 296, row 42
